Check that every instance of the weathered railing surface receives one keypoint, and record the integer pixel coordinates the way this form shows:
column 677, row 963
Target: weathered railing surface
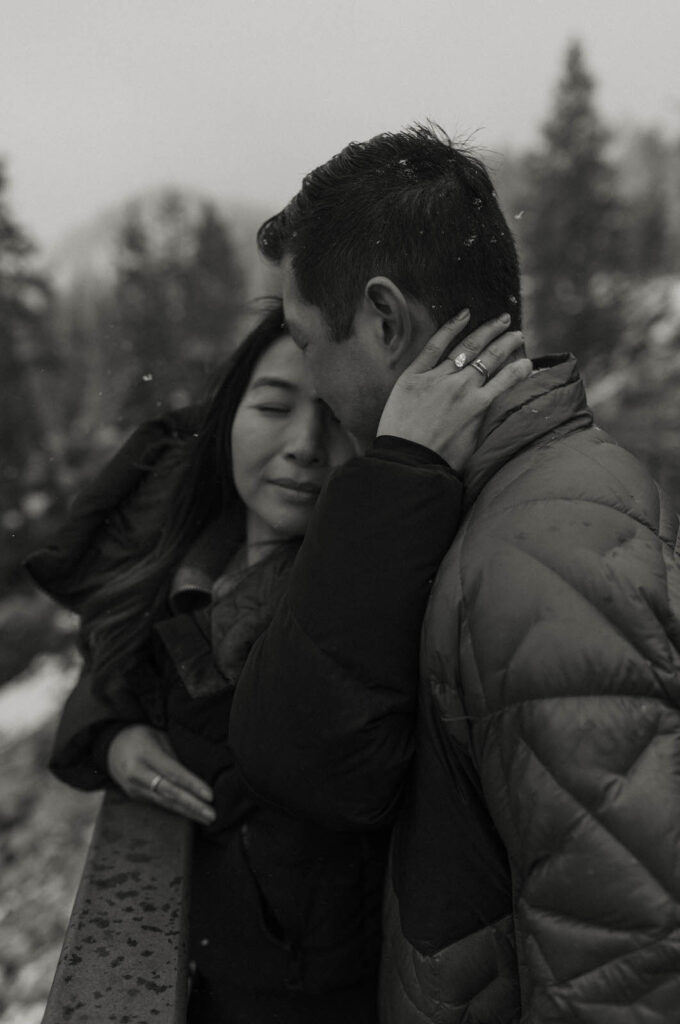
column 124, row 957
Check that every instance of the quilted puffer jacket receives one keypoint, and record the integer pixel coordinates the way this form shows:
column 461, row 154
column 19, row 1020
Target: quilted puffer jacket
column 545, row 799
column 534, row 870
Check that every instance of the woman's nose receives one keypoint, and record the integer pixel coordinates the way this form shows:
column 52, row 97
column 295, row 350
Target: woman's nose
column 304, row 441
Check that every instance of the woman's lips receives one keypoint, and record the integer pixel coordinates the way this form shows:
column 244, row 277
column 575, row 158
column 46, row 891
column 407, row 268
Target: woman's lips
column 302, row 491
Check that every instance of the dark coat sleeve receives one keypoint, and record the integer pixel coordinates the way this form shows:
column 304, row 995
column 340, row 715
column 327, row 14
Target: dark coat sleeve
column 112, row 523
column 90, row 720
column 323, row 716
column 114, row 520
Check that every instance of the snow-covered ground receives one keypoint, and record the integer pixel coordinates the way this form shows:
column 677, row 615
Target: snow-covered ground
column 44, row 832
column 32, row 700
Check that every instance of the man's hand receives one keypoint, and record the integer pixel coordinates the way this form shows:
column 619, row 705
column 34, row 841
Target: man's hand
column 141, row 760
column 440, row 399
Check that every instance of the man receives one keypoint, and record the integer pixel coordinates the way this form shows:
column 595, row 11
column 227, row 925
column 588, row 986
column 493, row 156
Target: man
column 534, row 865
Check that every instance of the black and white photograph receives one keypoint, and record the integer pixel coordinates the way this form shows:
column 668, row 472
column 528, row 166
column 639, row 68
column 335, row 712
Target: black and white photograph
column 340, row 507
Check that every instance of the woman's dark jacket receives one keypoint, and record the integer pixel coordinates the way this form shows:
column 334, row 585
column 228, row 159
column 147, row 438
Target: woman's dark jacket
column 299, row 902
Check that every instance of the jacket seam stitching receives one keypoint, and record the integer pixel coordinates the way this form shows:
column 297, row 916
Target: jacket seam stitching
column 591, row 813
column 573, row 696
column 598, row 503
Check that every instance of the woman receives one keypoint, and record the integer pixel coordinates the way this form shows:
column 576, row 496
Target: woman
column 176, row 558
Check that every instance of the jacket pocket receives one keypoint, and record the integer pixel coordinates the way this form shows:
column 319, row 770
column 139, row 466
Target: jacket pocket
column 267, row 922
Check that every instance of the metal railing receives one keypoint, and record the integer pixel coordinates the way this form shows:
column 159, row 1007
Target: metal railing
column 124, row 957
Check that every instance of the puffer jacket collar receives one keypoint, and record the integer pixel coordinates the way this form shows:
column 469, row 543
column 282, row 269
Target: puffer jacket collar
column 549, row 403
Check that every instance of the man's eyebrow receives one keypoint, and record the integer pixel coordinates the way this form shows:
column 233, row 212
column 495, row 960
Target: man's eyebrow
column 272, row 382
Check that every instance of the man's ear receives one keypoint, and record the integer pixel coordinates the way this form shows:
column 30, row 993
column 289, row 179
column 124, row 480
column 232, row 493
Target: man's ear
column 392, row 319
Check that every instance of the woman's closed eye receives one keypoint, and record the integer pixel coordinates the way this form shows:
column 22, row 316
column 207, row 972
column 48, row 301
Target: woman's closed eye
column 276, row 410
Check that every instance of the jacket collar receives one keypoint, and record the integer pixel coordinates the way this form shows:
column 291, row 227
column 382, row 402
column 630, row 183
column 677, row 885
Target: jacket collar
column 205, row 560
column 551, row 402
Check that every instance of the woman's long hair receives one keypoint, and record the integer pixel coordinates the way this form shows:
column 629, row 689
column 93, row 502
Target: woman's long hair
column 117, row 619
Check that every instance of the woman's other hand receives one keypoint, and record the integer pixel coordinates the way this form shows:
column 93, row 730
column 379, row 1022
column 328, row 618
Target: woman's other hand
column 141, row 760
column 440, row 400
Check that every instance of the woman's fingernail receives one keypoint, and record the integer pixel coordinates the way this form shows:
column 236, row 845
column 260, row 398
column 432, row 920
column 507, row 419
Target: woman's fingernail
column 504, row 319
column 463, row 315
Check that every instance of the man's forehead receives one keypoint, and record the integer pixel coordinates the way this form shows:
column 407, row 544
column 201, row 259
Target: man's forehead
column 289, row 289
column 288, row 276
column 297, row 313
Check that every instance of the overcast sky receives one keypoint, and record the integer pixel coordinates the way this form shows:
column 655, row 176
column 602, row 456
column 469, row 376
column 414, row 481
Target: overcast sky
column 101, row 99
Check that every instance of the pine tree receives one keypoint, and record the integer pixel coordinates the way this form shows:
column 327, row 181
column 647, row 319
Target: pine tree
column 572, row 226
column 26, row 470
column 177, row 297
column 214, row 286
column 651, row 191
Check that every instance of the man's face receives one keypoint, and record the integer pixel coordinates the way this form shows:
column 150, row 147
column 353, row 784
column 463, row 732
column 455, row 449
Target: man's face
column 351, row 376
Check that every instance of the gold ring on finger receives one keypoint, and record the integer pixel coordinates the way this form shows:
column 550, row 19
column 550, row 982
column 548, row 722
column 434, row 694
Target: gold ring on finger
column 479, row 366
column 155, row 782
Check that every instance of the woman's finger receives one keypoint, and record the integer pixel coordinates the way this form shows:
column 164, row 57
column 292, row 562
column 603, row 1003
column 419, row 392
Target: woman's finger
column 166, row 763
column 494, row 355
column 506, row 377
column 160, row 790
column 435, row 349
column 176, row 799
column 179, row 789
column 141, row 760
column 463, row 354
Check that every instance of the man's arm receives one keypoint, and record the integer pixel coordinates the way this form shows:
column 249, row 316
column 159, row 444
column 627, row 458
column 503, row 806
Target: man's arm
column 322, row 719
column 576, row 733
column 322, row 722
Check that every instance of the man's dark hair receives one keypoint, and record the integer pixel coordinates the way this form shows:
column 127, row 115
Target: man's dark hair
column 411, row 206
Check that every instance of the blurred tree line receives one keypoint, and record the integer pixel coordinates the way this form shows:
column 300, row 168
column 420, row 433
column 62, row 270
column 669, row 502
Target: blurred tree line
column 597, row 218
column 596, row 214
column 84, row 359
column 82, row 367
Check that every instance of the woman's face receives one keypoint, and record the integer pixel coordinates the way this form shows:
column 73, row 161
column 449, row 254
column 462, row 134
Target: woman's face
column 284, row 443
